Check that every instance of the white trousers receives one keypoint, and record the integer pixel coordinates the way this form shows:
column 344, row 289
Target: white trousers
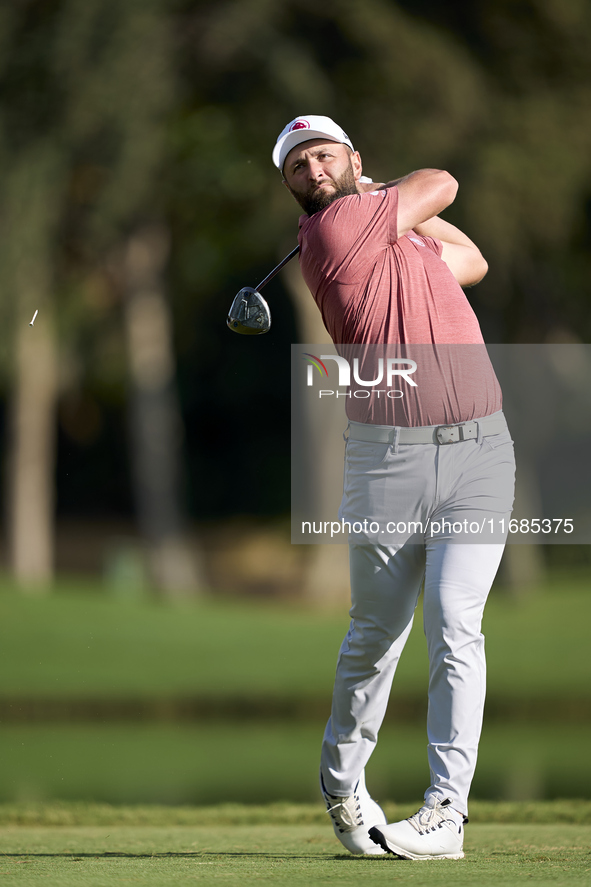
column 385, row 585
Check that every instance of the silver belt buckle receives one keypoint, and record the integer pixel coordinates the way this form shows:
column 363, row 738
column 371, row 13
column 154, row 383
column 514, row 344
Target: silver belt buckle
column 448, row 434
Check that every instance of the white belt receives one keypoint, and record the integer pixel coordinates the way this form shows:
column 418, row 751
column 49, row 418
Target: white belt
column 436, row 434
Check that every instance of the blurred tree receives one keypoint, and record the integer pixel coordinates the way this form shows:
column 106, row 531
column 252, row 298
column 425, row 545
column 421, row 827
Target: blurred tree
column 27, row 257
column 87, row 86
column 527, row 172
column 155, row 419
column 164, row 112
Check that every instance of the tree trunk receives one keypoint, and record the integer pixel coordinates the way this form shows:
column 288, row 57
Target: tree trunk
column 31, row 210
column 156, row 429
column 31, row 459
column 326, row 581
column 523, row 567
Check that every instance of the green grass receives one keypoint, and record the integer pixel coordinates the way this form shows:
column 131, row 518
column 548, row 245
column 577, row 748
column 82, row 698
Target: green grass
column 87, row 644
column 538, row 646
column 81, row 644
column 100, row 847
column 258, row 762
column 80, row 813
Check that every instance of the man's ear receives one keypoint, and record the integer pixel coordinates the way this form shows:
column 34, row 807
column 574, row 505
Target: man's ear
column 356, row 164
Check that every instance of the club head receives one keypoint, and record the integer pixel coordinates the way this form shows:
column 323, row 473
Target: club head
column 249, row 313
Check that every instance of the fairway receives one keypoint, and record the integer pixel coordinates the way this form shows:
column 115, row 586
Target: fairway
column 280, row 854
column 80, row 643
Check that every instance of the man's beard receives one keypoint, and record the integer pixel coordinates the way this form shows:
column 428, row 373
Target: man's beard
column 316, row 198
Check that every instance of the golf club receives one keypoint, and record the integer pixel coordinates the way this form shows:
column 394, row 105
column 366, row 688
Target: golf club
column 249, row 313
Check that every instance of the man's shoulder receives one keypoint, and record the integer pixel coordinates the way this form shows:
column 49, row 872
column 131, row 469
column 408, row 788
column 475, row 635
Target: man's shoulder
column 343, row 208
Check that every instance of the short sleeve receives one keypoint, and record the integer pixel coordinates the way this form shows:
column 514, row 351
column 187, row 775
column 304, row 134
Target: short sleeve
column 346, row 238
column 432, row 243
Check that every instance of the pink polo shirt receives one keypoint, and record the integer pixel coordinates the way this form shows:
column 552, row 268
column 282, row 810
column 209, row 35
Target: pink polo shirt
column 374, row 288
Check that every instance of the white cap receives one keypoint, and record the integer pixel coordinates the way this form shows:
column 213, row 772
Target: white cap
column 304, row 128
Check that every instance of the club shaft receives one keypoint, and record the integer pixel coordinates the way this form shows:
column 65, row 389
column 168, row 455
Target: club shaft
column 276, row 270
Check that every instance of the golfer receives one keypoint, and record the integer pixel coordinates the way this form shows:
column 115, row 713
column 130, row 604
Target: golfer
column 385, row 270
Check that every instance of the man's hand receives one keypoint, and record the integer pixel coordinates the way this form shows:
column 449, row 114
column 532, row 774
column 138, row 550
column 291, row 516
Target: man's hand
column 460, row 254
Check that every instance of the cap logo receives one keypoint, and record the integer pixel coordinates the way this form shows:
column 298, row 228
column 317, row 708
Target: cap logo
column 300, row 124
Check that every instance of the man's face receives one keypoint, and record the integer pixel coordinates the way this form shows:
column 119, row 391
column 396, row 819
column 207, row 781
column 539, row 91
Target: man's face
column 318, row 172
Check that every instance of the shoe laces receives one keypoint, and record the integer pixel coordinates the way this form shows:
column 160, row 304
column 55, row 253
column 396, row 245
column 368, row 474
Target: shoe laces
column 345, row 812
column 429, row 819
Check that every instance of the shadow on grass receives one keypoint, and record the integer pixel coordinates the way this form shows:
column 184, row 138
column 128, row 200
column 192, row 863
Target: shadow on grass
column 191, row 855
